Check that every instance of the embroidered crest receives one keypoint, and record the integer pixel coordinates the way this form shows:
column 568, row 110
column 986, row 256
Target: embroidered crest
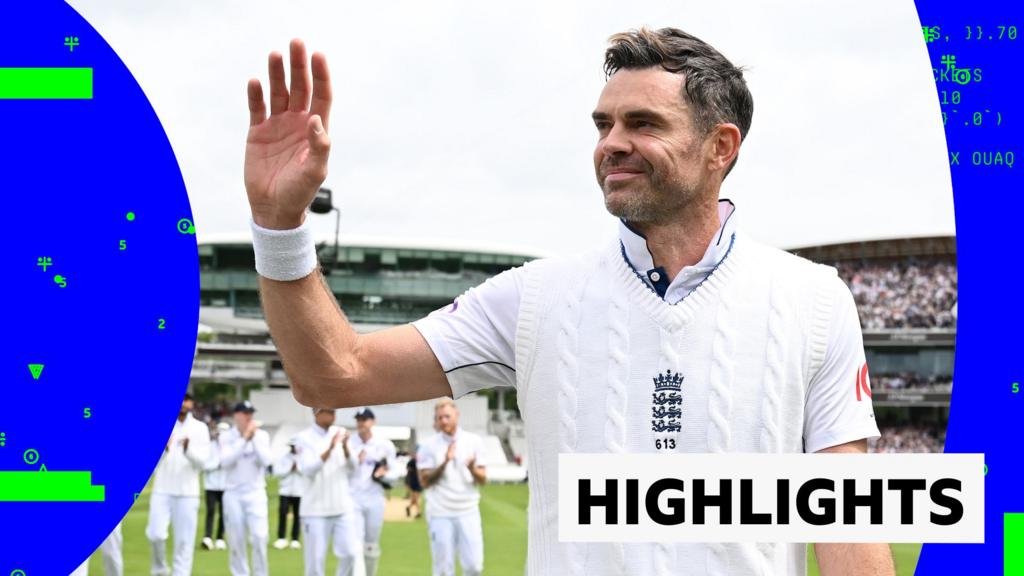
column 667, row 399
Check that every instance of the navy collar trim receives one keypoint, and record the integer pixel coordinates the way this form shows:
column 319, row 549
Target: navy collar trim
column 622, row 249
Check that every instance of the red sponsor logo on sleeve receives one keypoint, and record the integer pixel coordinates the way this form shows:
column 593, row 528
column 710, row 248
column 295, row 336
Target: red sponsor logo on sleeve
column 863, row 383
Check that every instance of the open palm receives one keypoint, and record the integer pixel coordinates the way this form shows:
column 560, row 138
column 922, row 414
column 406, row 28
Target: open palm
column 286, row 153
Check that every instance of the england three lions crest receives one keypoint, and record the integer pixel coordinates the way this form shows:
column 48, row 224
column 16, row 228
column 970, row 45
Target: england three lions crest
column 666, row 408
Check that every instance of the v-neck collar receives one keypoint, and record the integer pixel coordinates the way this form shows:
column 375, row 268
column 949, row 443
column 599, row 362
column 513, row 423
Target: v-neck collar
column 673, row 316
column 639, row 257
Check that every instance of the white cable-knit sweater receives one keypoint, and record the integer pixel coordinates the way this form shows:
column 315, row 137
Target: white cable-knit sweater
column 620, row 370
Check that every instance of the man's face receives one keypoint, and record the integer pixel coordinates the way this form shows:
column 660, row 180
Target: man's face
column 446, row 419
column 324, row 418
column 242, row 419
column 186, row 406
column 649, row 155
column 364, row 425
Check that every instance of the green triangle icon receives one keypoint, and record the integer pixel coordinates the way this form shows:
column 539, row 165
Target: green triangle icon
column 42, row 467
column 36, row 370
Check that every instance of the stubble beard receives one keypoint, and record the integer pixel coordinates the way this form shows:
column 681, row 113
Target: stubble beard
column 654, row 201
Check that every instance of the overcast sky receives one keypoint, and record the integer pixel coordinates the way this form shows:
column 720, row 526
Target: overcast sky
column 470, row 121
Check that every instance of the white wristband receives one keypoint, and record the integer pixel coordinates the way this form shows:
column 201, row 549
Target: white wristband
column 283, row 254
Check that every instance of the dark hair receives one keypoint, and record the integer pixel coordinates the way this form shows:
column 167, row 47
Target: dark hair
column 713, row 86
column 189, row 396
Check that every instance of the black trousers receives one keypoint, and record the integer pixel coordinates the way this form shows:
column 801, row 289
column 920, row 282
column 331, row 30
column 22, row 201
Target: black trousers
column 282, row 516
column 214, row 501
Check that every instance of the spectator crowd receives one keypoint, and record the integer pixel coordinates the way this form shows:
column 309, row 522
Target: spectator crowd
column 903, row 293
column 911, row 381
column 903, row 439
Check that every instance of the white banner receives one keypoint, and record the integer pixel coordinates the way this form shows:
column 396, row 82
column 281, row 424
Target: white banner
column 771, row 497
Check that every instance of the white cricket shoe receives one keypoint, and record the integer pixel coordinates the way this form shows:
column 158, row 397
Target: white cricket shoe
column 296, row 545
column 221, row 545
column 280, row 544
column 208, row 543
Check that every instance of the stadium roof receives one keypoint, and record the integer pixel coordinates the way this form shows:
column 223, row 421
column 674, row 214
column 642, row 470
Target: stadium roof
column 888, row 248
column 394, row 242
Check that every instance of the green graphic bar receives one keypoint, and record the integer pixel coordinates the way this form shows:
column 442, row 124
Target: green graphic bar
column 1013, row 543
column 46, row 486
column 45, row 83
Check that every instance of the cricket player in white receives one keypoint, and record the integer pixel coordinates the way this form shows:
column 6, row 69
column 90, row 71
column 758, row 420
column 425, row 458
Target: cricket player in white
column 374, row 454
column 175, row 497
column 289, row 489
column 602, row 346
column 451, row 465
column 214, row 480
column 326, row 461
column 245, row 456
column 110, row 550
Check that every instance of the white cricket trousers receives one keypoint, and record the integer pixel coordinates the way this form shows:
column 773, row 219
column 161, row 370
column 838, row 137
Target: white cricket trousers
column 317, row 531
column 369, row 522
column 245, row 512
column 110, row 549
column 463, row 532
column 182, row 513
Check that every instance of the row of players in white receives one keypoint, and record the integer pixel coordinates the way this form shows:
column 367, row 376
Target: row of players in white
column 450, row 464
column 340, row 503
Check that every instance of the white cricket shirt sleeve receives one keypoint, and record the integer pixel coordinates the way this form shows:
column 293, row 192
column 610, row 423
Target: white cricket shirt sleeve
column 283, row 466
column 473, row 338
column 310, row 458
column 261, row 444
column 198, row 444
column 213, row 460
column 231, row 448
column 835, row 412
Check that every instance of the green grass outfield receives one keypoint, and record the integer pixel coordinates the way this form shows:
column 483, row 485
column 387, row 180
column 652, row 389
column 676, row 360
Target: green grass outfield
column 404, row 544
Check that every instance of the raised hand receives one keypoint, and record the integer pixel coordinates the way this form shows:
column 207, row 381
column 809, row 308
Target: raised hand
column 286, row 154
column 344, row 444
column 250, row 430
